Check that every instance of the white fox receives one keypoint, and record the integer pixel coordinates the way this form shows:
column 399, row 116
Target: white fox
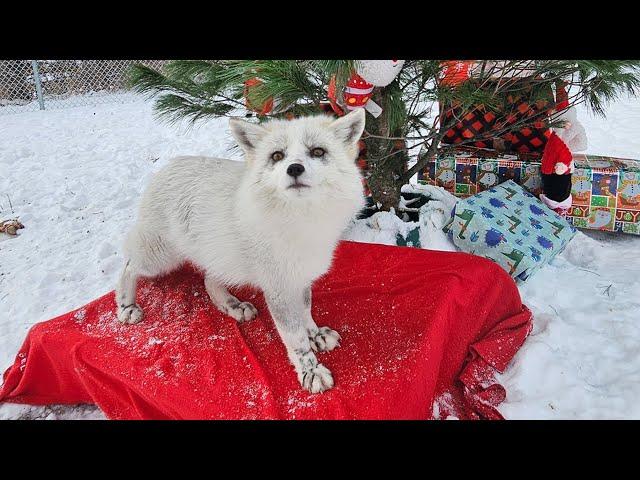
column 272, row 221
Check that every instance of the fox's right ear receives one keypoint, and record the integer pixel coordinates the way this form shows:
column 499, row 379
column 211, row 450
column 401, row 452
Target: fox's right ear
column 246, row 134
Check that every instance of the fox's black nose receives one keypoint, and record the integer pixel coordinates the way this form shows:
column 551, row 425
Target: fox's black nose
column 295, row 169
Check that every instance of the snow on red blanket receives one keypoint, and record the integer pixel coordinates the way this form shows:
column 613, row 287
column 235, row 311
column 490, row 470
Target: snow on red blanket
column 422, row 334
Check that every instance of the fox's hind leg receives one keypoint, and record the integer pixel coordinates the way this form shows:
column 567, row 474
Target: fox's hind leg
column 128, row 310
column 148, row 255
column 227, row 303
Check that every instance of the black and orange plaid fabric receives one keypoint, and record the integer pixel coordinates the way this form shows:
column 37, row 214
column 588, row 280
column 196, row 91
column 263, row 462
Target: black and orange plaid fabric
column 479, row 121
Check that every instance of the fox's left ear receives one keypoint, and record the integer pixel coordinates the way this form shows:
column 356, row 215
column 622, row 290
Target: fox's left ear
column 350, row 127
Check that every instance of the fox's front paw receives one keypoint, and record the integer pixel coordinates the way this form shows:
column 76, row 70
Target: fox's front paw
column 324, row 339
column 130, row 314
column 316, row 379
column 240, row 311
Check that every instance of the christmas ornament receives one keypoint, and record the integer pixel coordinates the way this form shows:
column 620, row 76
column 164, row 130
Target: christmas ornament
column 368, row 75
column 357, row 92
column 249, row 86
column 455, row 72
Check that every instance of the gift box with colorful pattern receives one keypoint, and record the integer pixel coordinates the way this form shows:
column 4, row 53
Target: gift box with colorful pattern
column 605, row 190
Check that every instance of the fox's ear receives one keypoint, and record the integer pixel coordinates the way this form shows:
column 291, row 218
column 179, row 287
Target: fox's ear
column 350, row 127
column 246, row 134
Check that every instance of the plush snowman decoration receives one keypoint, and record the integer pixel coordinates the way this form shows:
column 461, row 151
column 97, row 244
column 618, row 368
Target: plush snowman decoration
column 379, row 73
column 368, row 75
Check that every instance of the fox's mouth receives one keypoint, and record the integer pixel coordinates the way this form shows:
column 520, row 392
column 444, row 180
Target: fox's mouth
column 298, row 186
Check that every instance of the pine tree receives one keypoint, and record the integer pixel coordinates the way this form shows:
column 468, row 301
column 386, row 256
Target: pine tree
column 410, row 121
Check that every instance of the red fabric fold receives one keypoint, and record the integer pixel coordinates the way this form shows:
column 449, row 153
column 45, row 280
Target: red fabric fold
column 423, row 333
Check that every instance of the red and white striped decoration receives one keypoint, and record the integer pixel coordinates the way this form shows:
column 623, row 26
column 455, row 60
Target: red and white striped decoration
column 357, row 92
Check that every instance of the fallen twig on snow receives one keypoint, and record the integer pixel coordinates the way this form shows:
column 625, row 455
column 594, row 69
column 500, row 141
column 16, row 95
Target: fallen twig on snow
column 585, row 270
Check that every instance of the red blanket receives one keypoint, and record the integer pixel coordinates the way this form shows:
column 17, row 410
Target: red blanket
column 422, row 335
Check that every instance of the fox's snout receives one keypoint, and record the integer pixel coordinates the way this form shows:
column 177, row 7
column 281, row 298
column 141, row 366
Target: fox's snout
column 295, row 170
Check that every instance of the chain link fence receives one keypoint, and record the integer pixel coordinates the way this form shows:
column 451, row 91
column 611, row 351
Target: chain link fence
column 27, row 85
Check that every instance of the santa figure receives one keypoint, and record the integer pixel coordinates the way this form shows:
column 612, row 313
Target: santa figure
column 557, row 159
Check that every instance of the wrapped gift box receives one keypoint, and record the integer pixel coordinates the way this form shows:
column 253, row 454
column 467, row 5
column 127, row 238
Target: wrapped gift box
column 510, row 226
column 605, row 190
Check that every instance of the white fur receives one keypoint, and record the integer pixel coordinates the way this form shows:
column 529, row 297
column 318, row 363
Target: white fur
column 242, row 224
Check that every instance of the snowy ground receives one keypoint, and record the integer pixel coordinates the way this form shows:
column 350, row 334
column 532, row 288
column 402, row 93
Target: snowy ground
column 73, row 177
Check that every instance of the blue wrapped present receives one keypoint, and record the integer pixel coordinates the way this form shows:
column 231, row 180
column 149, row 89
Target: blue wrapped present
column 510, row 226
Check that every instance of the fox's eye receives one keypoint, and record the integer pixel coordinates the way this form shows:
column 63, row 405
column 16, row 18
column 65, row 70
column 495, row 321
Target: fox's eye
column 317, row 152
column 277, row 156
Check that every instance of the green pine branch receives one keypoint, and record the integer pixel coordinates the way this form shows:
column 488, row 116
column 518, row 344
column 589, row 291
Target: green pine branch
column 197, row 89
